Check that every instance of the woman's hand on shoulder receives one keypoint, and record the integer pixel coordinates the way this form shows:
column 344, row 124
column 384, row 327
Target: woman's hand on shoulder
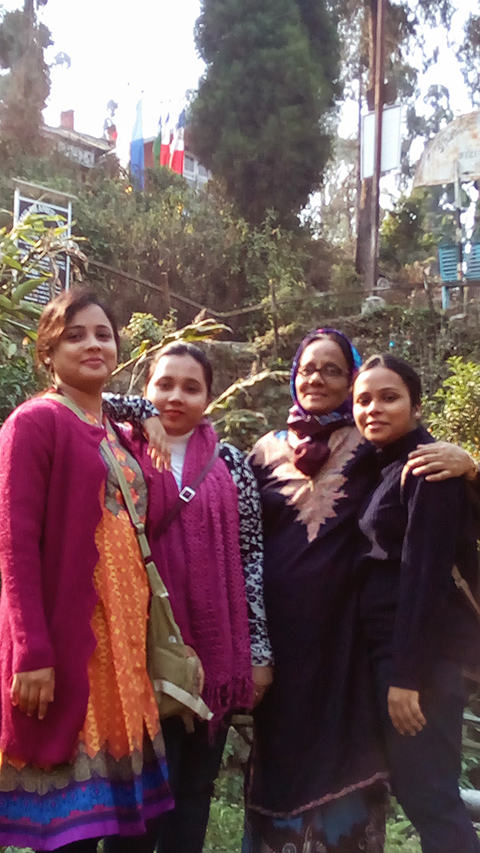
column 404, row 710
column 33, row 691
column 440, row 461
column 158, row 443
column 262, row 677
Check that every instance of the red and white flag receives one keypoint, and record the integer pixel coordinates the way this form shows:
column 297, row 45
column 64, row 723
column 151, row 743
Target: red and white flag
column 166, row 138
column 177, row 146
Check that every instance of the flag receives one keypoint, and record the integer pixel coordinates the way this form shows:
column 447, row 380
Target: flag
column 137, row 154
column 177, row 147
column 157, row 144
column 166, row 139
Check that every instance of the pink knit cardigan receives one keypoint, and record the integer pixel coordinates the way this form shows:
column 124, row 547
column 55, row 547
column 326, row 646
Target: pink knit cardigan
column 51, row 474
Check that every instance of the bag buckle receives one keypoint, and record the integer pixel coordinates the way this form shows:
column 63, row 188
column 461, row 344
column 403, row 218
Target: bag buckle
column 187, row 494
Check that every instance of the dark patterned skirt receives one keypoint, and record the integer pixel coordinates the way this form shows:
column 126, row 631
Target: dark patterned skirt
column 349, row 824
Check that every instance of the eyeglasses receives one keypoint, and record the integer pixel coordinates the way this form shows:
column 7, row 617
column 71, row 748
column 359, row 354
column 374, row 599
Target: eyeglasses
column 326, row 371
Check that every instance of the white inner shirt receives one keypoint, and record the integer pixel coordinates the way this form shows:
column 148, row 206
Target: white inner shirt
column 178, row 449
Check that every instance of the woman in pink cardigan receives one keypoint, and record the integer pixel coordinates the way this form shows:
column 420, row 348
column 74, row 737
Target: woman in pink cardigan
column 81, row 749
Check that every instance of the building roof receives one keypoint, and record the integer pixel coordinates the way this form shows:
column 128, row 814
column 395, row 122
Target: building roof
column 76, row 138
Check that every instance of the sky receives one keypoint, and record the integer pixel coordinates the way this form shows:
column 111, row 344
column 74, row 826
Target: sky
column 145, row 51
column 148, row 51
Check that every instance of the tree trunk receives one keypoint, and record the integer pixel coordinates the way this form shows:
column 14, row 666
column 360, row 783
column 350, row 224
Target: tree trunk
column 29, row 9
column 364, row 229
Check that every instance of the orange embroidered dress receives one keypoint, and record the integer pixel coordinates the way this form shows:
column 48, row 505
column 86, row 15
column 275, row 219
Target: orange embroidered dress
column 118, row 779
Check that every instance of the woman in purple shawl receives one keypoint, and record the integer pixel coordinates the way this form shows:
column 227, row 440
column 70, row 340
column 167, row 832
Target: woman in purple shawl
column 210, row 559
column 316, row 775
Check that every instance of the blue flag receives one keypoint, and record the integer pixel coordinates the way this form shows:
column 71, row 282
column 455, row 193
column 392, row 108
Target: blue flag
column 137, row 155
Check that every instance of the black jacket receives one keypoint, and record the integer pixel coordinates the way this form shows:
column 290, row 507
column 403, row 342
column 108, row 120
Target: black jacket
column 410, row 608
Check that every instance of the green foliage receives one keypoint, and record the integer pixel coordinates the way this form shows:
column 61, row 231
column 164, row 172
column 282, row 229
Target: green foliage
column 17, row 374
column 401, row 836
column 225, row 828
column 19, row 275
column 346, row 289
column 469, row 55
column 454, row 410
column 144, row 330
column 260, row 118
column 416, row 225
column 21, row 271
column 162, row 334
column 251, row 407
column 403, row 235
column 210, row 254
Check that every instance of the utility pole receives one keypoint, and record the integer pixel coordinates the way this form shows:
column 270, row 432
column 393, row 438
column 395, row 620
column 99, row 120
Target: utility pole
column 379, row 97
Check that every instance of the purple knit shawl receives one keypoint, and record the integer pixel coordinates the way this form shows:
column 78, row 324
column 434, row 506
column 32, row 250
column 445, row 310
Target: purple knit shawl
column 198, row 558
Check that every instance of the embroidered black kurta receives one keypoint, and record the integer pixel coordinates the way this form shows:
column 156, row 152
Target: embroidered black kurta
column 316, row 727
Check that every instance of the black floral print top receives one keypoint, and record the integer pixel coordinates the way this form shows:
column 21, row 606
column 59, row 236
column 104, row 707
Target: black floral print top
column 136, row 410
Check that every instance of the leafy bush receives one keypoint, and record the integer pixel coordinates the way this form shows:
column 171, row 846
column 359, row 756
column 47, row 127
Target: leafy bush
column 453, row 413
column 17, row 375
column 144, row 330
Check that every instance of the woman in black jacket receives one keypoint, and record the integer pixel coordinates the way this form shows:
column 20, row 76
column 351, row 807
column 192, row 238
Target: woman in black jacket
column 419, row 627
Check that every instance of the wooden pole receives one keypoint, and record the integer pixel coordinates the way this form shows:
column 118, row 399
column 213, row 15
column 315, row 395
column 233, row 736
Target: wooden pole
column 379, row 83
column 359, row 150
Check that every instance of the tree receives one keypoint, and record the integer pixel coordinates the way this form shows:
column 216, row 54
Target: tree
column 21, row 271
column 412, row 230
column 337, row 201
column 25, row 89
column 260, row 121
column 454, row 410
column 469, row 55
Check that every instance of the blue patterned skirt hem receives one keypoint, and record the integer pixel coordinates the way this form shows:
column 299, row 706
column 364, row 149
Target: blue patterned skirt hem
column 93, row 808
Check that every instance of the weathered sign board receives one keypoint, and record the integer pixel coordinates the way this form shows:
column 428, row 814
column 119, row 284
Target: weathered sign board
column 453, row 154
column 57, row 209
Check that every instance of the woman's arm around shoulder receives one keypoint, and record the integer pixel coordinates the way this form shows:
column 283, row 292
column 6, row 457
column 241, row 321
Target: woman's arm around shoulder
column 142, row 415
column 128, row 407
column 441, row 460
column 251, row 550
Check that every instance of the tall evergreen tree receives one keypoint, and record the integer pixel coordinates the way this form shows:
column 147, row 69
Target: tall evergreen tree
column 25, row 89
column 260, row 121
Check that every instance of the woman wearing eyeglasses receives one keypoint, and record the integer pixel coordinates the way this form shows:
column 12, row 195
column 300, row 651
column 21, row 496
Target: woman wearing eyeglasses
column 316, row 774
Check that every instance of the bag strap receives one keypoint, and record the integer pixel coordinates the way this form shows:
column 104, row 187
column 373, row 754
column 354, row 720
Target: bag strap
column 156, row 584
column 462, row 584
column 458, row 578
column 186, row 495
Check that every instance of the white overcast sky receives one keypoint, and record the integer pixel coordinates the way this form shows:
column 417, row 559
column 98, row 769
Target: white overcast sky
column 124, row 50
column 121, row 51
